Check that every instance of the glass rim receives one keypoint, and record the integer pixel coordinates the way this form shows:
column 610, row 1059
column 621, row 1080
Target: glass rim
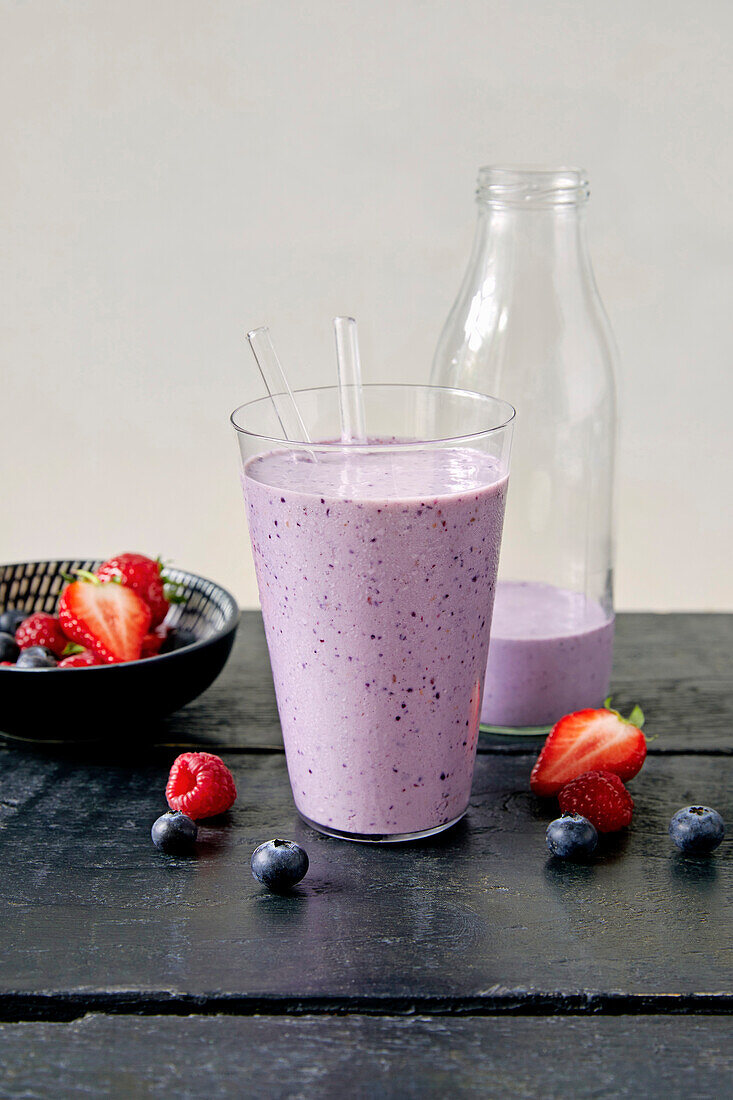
column 509, row 413
column 532, row 185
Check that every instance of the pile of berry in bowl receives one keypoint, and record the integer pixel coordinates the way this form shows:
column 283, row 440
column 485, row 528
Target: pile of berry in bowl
column 148, row 639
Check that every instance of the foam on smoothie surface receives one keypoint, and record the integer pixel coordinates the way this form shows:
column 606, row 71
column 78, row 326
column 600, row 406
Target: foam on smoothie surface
column 406, row 473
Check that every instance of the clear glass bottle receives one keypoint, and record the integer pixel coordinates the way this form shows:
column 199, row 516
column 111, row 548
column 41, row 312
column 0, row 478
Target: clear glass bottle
column 528, row 326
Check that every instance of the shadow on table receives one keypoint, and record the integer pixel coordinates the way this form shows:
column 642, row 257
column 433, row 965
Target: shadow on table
column 698, row 874
column 114, row 746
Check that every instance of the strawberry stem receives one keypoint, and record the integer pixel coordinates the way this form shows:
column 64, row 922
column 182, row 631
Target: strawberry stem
column 85, row 575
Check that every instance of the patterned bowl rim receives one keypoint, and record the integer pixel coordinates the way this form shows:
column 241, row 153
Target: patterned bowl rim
column 230, row 625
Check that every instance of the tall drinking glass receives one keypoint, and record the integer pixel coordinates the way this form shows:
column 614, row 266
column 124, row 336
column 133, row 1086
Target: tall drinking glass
column 376, row 565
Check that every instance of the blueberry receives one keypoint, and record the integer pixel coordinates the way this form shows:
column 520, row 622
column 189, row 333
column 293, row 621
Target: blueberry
column 11, row 619
column 697, row 830
column 571, row 837
column 36, row 656
column 8, row 649
column 279, row 864
column 178, row 638
column 174, row 832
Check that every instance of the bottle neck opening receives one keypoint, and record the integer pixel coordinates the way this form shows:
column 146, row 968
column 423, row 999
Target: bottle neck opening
column 532, row 188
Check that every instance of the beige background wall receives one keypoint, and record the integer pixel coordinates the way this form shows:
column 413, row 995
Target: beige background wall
column 176, row 171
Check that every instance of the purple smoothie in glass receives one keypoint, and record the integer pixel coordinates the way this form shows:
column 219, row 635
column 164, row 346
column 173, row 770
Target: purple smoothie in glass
column 550, row 654
column 376, row 574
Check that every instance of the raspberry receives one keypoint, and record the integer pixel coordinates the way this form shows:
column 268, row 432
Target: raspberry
column 200, row 785
column 601, row 798
column 42, row 629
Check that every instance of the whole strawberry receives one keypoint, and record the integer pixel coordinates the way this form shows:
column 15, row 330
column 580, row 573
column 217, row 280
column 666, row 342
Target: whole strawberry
column 200, row 785
column 145, row 577
column 600, row 797
column 42, row 629
column 104, row 617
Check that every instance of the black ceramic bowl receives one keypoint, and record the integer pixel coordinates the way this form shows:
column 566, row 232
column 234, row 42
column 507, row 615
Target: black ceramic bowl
column 88, row 703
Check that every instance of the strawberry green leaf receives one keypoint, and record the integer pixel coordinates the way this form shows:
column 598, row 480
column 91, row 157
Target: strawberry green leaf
column 162, row 563
column 175, row 594
column 71, row 649
column 636, row 718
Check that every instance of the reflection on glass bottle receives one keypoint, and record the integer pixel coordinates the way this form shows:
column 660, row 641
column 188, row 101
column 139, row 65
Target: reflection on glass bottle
column 528, row 326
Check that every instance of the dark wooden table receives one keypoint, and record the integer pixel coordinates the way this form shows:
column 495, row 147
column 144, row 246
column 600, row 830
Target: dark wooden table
column 467, row 966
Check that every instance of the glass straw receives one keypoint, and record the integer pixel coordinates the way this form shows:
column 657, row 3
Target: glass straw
column 351, row 394
column 278, row 388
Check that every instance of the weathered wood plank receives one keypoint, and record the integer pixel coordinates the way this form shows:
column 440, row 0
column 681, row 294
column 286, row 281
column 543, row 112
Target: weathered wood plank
column 673, row 646
column 679, row 667
column 362, row 1057
column 479, row 914
column 682, row 716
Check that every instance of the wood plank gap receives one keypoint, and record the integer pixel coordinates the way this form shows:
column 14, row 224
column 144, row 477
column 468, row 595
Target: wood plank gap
column 66, row 1007
column 92, row 750
column 484, row 750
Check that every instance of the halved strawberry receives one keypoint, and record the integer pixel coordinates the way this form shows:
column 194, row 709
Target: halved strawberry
column 106, row 618
column 589, row 740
